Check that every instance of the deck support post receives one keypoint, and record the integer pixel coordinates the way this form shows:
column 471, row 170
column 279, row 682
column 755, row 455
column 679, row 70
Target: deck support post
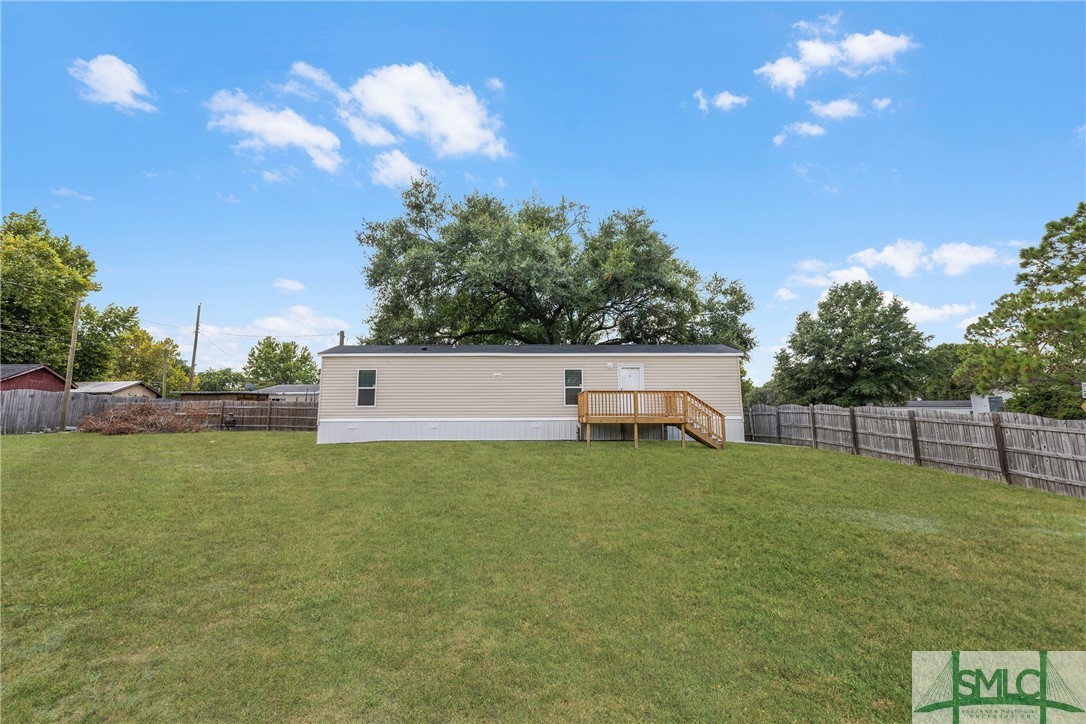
column 683, row 437
column 635, row 417
column 588, row 434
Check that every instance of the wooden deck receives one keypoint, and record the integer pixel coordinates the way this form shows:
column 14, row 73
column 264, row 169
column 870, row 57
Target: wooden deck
column 677, row 408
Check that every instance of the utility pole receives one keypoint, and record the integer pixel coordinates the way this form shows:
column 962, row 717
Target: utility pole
column 71, row 365
column 195, row 341
column 165, row 364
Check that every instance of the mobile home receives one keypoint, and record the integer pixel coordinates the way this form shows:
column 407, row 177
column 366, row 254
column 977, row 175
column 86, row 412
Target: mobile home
column 529, row 392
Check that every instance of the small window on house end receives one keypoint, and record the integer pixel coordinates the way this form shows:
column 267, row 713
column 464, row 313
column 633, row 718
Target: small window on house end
column 573, row 386
column 367, row 388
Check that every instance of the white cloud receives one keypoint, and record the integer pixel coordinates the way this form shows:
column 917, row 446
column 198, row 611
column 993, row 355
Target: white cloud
column 856, row 54
column 278, row 128
column 787, row 73
column 920, row 313
column 273, row 177
column 803, row 170
column 785, row 294
column 108, row 79
column 69, row 193
column 288, row 285
column 837, row 110
column 881, row 104
column 228, row 198
column 813, row 265
column 703, row 102
column 393, row 168
column 296, row 321
column 903, row 256
column 495, row 84
column 959, row 258
column 965, row 323
column 871, row 50
column 348, row 111
column 500, row 182
column 726, row 101
column 818, row 53
column 850, row 274
column 421, row 101
column 799, row 128
column 825, row 25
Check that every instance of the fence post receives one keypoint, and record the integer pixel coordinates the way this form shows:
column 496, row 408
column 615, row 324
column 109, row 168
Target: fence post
column 268, row 426
column 814, row 428
column 777, row 411
column 915, row 438
column 855, row 435
column 1001, row 449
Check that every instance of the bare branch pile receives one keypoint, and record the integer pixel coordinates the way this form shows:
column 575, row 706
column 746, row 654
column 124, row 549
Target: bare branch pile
column 145, row 418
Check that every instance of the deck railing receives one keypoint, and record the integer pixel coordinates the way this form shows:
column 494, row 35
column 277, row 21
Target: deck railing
column 654, row 407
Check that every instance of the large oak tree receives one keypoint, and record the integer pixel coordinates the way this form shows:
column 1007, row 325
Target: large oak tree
column 479, row 270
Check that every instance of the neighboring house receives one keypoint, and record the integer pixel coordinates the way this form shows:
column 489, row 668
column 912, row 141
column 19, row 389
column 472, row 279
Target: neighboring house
column 31, row 377
column 292, row 393
column 118, row 389
column 514, row 392
column 242, row 395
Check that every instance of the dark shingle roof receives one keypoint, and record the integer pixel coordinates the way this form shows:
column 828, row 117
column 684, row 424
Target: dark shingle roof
column 14, row 370
column 484, row 349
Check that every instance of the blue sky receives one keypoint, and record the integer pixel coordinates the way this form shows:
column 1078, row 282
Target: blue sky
column 227, row 153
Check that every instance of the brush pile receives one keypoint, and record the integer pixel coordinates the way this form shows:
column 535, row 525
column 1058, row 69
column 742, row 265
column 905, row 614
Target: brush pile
column 141, row 418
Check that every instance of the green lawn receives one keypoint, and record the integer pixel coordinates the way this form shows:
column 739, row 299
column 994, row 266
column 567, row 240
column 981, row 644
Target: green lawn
column 258, row 576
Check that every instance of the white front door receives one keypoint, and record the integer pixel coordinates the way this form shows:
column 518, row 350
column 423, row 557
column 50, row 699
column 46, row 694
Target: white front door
column 630, row 378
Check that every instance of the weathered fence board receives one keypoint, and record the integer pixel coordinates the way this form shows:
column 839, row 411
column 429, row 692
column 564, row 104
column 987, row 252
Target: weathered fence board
column 24, row 411
column 1025, row 450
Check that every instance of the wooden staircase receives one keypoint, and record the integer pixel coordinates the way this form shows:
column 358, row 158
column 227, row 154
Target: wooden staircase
column 674, row 408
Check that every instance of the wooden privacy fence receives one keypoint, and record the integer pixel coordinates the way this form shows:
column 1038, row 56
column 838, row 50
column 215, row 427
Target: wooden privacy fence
column 1025, row 450
column 24, row 411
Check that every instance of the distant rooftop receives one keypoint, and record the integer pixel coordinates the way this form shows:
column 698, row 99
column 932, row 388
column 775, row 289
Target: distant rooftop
column 939, row 403
column 109, row 388
column 485, row 349
column 290, row 389
column 14, row 370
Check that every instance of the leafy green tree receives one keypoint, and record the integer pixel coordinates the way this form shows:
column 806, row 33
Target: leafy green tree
column 101, row 335
column 481, row 271
column 767, row 394
column 222, row 380
column 859, row 349
column 271, row 362
column 942, row 381
column 139, row 357
column 43, row 277
column 1033, row 342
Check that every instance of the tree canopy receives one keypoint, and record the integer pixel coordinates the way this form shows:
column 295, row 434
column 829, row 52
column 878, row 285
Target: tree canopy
column 480, row 271
column 1033, row 342
column 859, row 349
column 44, row 277
column 139, row 357
column 221, row 380
column 942, row 379
column 271, row 362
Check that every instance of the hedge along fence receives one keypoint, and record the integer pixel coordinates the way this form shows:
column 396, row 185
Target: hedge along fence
column 24, row 411
column 1025, row 450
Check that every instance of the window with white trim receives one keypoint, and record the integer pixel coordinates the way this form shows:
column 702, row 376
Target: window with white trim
column 574, row 385
column 367, row 388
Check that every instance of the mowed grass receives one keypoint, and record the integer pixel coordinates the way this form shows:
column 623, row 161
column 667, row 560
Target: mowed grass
column 257, row 576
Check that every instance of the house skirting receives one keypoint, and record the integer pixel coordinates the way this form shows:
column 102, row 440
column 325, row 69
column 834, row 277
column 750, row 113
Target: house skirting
column 554, row 428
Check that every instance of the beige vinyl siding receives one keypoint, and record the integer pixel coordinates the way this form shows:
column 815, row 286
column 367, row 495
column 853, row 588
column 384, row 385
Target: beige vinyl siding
column 459, row 386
